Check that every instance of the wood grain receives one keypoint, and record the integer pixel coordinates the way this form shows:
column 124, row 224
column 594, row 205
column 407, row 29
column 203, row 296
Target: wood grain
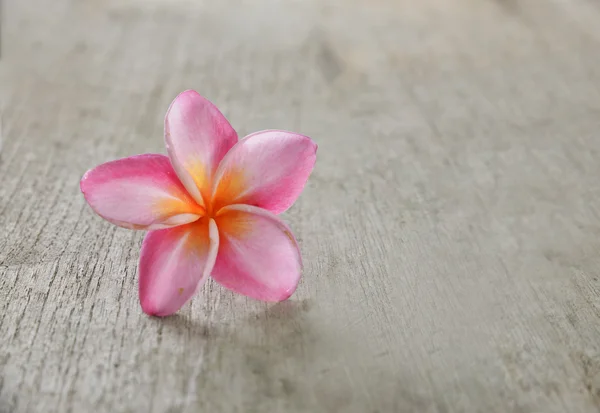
column 450, row 231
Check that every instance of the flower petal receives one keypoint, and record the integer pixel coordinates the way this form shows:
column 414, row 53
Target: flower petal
column 174, row 262
column 197, row 136
column 139, row 192
column 267, row 169
column 258, row 255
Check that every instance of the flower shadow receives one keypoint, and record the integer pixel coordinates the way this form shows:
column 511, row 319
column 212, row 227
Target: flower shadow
column 265, row 356
column 276, row 321
column 257, row 348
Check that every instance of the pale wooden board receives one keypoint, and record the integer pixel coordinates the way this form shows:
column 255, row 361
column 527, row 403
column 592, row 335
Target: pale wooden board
column 450, row 231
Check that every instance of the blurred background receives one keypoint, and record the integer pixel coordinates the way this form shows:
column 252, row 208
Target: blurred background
column 449, row 230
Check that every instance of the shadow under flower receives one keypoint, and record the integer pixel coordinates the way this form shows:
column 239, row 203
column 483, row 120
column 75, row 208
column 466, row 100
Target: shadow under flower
column 254, row 353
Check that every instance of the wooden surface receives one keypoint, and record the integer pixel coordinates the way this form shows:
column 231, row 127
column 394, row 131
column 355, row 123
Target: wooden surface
column 450, row 231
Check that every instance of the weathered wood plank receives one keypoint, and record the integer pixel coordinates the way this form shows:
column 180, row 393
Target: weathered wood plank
column 449, row 231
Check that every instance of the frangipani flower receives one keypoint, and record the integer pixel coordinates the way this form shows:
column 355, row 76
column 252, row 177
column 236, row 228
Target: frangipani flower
column 210, row 207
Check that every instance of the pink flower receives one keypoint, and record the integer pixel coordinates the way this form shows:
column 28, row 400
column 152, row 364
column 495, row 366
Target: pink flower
column 210, row 207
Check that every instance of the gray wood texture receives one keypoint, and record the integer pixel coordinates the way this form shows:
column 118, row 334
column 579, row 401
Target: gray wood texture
column 450, row 231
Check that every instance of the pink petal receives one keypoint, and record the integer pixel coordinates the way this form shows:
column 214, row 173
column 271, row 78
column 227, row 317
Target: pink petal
column 174, row 262
column 139, row 192
column 197, row 136
column 258, row 255
column 267, row 169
